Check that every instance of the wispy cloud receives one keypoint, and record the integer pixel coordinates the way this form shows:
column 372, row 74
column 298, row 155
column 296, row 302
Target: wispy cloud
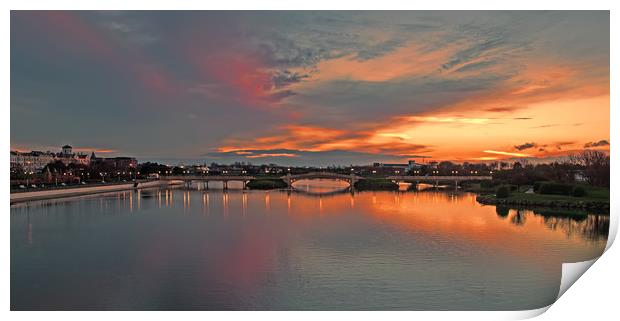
column 506, row 153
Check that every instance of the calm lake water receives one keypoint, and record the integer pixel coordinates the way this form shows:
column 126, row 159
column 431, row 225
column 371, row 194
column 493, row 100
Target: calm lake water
column 277, row 250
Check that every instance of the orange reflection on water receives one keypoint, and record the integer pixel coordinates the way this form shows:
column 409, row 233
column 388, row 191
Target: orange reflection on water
column 131, row 202
column 454, row 216
column 244, row 203
column 205, row 203
column 225, row 202
column 459, row 216
column 159, row 199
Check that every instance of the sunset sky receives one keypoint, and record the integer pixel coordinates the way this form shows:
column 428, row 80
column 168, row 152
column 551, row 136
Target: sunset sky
column 308, row 87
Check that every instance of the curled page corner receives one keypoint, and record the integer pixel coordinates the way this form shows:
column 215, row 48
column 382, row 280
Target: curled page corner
column 571, row 272
column 528, row 314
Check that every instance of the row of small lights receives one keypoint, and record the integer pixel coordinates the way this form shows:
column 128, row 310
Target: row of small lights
column 245, row 172
column 223, row 172
column 117, row 173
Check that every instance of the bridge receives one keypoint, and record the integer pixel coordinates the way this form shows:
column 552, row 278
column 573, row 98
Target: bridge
column 436, row 179
column 350, row 179
column 208, row 178
column 290, row 179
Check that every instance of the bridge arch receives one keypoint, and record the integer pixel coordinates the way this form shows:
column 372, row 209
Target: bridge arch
column 290, row 179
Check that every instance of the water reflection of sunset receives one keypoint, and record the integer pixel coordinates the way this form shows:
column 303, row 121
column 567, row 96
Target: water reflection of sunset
column 246, row 243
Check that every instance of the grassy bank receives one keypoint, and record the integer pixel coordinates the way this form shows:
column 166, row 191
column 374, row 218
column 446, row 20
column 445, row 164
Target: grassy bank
column 266, row 183
column 596, row 199
column 376, row 184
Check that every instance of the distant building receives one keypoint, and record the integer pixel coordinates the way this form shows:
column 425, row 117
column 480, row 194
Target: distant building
column 118, row 163
column 67, row 150
column 83, row 159
column 36, row 160
column 413, row 165
column 389, row 169
column 580, row 176
column 396, row 166
column 31, row 161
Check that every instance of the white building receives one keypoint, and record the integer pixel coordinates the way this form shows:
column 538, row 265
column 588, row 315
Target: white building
column 35, row 160
column 31, row 161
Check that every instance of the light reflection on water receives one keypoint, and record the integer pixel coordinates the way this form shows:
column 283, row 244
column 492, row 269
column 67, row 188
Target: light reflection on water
column 191, row 249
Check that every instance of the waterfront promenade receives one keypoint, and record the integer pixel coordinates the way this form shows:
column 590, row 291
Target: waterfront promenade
column 85, row 190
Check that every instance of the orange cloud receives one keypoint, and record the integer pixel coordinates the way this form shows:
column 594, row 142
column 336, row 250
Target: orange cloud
column 272, row 155
column 506, row 153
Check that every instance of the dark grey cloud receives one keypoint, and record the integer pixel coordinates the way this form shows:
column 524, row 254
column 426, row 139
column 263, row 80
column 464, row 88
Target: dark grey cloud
column 380, row 49
column 345, row 102
column 474, row 51
column 525, row 146
column 280, row 95
column 476, row 66
column 502, row 109
column 286, row 78
column 597, row 144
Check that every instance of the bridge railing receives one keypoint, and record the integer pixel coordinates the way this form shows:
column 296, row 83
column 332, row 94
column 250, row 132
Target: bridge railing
column 321, row 174
column 441, row 178
column 208, row 177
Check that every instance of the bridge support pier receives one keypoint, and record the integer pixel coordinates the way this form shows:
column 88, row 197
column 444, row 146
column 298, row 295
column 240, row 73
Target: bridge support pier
column 206, row 185
column 352, row 181
column 225, row 185
column 245, row 183
column 289, row 181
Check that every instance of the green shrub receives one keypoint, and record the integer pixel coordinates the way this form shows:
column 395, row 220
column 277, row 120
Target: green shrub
column 266, row 184
column 375, row 184
column 502, row 211
column 502, row 191
column 487, row 184
column 579, row 191
column 555, row 188
column 536, row 186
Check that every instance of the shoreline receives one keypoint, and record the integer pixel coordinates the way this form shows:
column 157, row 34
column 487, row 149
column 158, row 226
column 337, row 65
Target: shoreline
column 565, row 203
column 79, row 191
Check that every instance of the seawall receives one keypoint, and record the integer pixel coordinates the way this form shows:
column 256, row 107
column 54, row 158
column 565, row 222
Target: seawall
column 66, row 192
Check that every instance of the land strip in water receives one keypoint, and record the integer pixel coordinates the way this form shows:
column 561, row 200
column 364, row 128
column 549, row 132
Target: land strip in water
column 592, row 202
